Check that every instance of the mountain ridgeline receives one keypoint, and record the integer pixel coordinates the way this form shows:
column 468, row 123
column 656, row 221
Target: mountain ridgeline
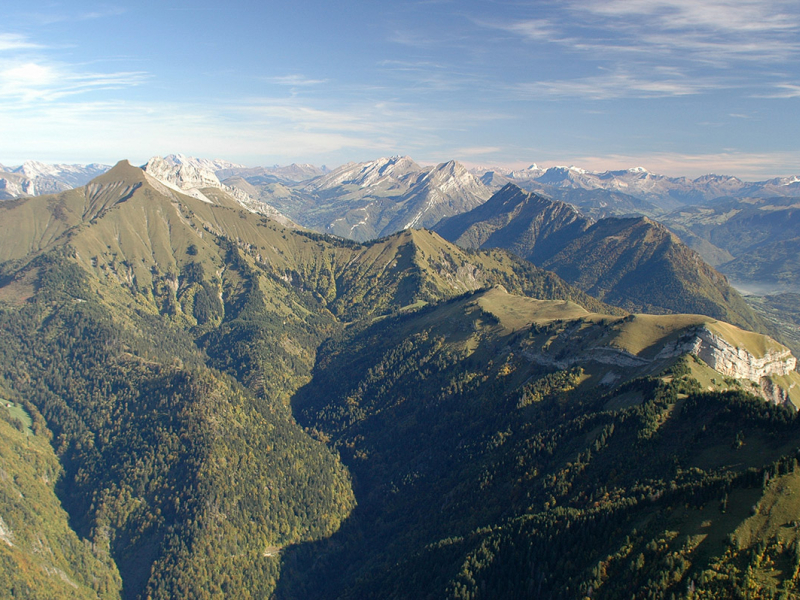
column 363, row 201
column 634, row 263
column 201, row 402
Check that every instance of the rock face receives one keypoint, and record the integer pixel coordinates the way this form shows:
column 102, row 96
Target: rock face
column 738, row 363
column 15, row 186
column 571, row 347
column 368, row 200
column 185, row 175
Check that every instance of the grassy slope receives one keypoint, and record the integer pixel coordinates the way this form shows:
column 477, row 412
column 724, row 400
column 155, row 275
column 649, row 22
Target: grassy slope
column 638, row 264
column 531, row 226
column 632, row 263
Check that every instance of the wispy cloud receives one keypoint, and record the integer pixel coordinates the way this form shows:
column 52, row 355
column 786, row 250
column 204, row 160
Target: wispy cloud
column 616, row 85
column 33, row 81
column 29, row 75
column 295, row 81
column 708, row 45
column 709, row 32
column 530, row 29
column 716, row 31
column 428, row 76
column 730, row 16
column 52, row 17
column 782, row 90
column 477, row 150
column 14, row 41
column 251, row 131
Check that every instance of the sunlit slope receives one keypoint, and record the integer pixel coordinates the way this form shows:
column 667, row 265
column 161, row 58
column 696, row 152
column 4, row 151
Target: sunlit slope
column 170, row 344
column 528, row 224
column 162, row 338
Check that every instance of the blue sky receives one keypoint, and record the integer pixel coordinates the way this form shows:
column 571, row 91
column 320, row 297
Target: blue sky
column 682, row 87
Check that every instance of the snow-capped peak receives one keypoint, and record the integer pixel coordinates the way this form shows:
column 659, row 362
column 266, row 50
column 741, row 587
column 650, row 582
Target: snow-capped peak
column 33, row 169
column 201, row 163
column 571, row 169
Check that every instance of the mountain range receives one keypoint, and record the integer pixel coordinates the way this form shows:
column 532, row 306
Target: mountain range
column 199, row 401
column 662, row 191
column 597, row 194
column 364, row 201
column 34, row 178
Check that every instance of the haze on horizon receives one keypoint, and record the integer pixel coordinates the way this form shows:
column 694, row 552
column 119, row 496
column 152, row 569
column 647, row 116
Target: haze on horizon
column 677, row 86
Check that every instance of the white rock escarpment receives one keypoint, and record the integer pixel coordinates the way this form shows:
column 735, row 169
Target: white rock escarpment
column 729, row 360
column 700, row 341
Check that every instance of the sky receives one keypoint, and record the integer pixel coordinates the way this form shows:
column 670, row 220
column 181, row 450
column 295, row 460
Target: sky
column 680, row 87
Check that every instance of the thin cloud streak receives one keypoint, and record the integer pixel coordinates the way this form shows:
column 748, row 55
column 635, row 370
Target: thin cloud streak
column 717, row 32
column 295, row 81
column 52, row 18
column 31, row 82
column 257, row 128
column 614, row 86
column 731, row 16
column 784, row 91
column 14, row 41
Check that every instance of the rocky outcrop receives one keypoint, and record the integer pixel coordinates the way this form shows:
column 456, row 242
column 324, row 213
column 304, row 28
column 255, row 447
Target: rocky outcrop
column 700, row 341
column 729, row 360
column 15, row 186
column 774, row 393
column 185, row 176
